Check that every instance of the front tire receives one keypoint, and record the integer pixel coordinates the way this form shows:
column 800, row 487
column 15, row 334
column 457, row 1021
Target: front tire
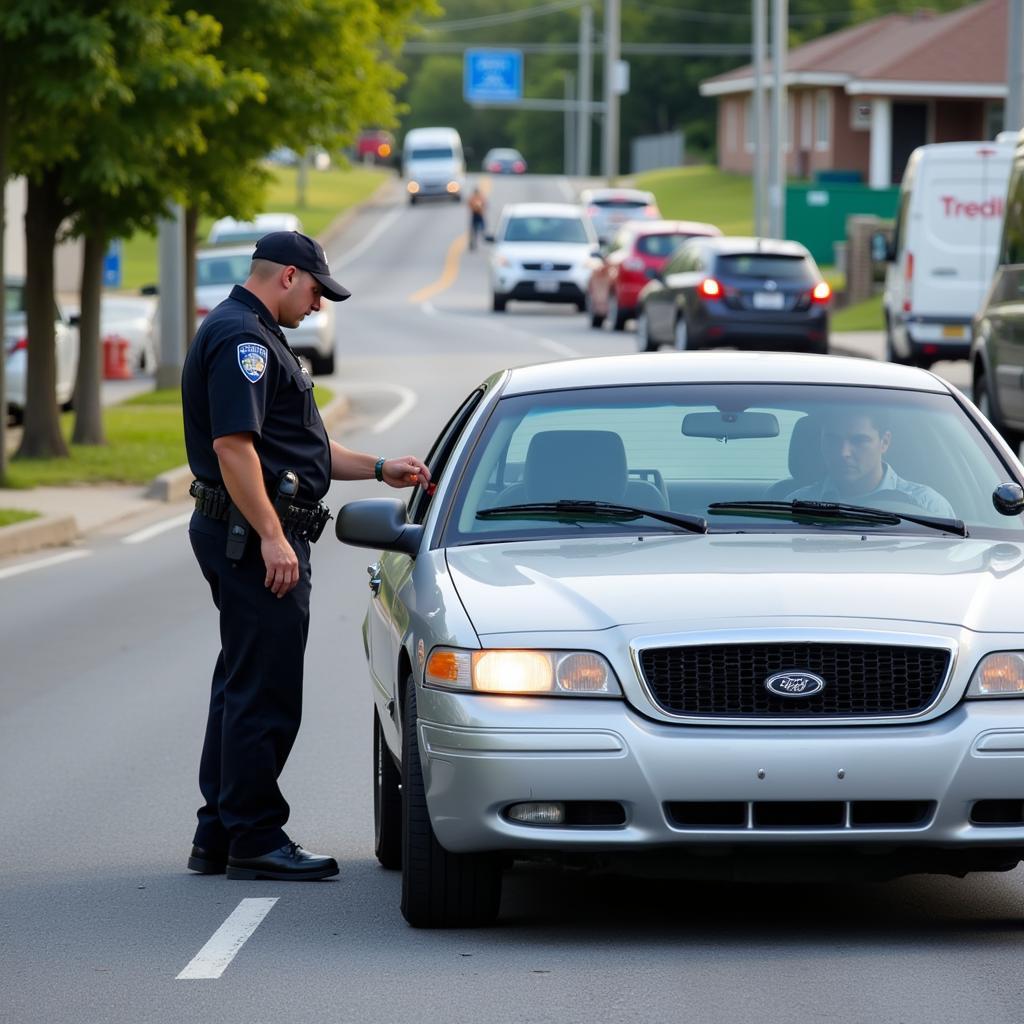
column 322, row 365
column 643, row 334
column 387, row 801
column 439, row 889
column 498, row 303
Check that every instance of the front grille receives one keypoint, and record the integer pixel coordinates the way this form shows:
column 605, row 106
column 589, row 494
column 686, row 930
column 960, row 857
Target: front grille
column 728, row 680
column 807, row 815
column 547, row 266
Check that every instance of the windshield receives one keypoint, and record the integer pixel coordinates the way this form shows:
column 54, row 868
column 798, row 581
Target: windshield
column 432, row 153
column 546, row 229
column 660, row 245
column 680, row 448
column 222, row 269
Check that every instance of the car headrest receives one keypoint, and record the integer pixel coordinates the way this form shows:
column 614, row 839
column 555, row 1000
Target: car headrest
column 806, row 463
column 575, row 464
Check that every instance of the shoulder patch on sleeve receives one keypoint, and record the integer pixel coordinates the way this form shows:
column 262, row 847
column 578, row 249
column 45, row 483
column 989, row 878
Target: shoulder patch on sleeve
column 252, row 359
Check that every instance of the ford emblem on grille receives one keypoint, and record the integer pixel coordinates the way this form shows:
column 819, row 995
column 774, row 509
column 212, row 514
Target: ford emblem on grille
column 794, row 684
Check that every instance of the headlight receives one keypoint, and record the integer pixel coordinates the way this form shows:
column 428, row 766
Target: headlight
column 559, row 673
column 502, row 261
column 999, row 675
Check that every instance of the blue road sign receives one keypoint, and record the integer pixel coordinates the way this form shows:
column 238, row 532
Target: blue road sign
column 112, row 265
column 492, row 76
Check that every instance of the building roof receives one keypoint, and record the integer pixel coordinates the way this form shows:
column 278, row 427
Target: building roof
column 962, row 53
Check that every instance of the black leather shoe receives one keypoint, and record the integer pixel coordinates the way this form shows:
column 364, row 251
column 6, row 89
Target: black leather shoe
column 207, row 862
column 290, row 863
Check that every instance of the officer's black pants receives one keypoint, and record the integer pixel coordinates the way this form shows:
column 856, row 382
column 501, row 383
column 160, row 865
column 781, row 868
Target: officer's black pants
column 256, row 695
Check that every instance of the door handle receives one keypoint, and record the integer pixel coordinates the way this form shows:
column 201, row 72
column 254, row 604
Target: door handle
column 374, row 574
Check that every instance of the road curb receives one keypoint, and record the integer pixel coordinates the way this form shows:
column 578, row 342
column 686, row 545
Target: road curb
column 44, row 532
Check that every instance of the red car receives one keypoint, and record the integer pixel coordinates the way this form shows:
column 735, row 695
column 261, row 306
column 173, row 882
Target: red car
column 639, row 250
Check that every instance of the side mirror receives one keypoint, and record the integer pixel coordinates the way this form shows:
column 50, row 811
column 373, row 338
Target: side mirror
column 149, row 289
column 1008, row 499
column 881, row 248
column 74, row 319
column 378, row 523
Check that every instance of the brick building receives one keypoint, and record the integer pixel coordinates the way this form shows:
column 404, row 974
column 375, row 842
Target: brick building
column 862, row 99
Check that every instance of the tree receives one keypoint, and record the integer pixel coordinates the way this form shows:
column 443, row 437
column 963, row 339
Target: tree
column 79, row 67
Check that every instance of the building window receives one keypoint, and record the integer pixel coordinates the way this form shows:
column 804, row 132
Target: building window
column 993, row 119
column 806, row 120
column 823, row 120
column 731, row 126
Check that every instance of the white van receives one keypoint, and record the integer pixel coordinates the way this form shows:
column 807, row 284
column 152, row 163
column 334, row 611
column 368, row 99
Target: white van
column 944, row 248
column 433, row 163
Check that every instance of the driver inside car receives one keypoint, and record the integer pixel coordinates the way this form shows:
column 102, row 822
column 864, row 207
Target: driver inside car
column 853, row 445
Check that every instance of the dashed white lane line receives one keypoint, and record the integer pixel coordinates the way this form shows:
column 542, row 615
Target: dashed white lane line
column 42, row 563
column 378, row 229
column 212, row 960
column 156, row 529
column 556, row 346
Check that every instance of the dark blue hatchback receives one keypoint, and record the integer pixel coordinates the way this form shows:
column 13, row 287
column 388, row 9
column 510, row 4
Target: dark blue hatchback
column 754, row 293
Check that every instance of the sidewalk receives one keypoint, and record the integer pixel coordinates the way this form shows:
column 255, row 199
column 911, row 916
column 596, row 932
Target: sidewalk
column 67, row 513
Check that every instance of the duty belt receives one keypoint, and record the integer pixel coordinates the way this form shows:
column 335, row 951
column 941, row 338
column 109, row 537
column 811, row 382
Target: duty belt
column 306, row 521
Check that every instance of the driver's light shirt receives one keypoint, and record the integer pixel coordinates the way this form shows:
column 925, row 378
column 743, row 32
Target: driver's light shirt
column 928, row 500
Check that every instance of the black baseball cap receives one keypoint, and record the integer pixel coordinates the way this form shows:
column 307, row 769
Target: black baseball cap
column 294, row 249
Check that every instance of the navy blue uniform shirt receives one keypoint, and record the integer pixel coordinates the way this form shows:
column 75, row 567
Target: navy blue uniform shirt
column 241, row 376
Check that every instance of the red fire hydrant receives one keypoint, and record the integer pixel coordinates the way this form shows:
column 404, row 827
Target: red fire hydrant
column 115, row 358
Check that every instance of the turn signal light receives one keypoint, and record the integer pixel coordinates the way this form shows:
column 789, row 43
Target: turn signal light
column 710, row 288
column 999, row 675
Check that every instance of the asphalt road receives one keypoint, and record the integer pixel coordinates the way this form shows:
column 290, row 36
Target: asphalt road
column 106, row 657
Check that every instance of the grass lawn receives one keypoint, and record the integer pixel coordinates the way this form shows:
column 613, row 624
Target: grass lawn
column 8, row 516
column 864, row 316
column 328, row 193
column 145, row 437
column 703, row 193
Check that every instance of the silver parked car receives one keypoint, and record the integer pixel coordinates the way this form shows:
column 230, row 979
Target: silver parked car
column 218, row 270
column 712, row 612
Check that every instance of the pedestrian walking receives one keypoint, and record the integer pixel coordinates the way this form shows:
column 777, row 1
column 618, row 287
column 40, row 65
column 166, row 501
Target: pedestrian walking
column 477, row 209
column 262, row 462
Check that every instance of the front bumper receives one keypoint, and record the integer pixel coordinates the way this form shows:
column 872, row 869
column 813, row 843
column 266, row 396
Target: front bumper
column 540, row 286
column 483, row 754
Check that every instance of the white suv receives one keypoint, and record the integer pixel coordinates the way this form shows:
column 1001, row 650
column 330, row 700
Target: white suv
column 542, row 252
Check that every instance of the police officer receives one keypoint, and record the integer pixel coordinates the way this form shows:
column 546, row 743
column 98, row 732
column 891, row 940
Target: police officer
column 262, row 461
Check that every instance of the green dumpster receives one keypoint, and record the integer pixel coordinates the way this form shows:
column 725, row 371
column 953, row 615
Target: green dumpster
column 816, row 214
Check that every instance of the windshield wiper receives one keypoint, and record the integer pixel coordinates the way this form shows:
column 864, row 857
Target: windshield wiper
column 575, row 510
column 831, row 510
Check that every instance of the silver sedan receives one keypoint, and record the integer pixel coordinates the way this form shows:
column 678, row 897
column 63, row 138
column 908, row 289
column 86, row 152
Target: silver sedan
column 710, row 615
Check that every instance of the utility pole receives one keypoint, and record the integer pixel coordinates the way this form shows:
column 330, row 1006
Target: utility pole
column 1013, row 112
column 171, row 253
column 585, row 74
column 780, row 27
column 757, row 114
column 612, row 19
column 569, row 128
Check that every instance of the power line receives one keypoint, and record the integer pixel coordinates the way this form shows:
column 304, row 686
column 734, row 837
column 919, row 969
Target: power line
column 502, row 19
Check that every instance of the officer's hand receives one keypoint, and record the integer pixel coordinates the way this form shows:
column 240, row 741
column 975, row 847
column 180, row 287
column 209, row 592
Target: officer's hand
column 406, row 471
column 282, row 565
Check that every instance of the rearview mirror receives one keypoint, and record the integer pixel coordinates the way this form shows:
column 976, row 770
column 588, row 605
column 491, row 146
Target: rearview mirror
column 730, row 426
column 1008, row 499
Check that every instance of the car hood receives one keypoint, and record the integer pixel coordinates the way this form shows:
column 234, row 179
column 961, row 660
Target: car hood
column 538, row 252
column 667, row 583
